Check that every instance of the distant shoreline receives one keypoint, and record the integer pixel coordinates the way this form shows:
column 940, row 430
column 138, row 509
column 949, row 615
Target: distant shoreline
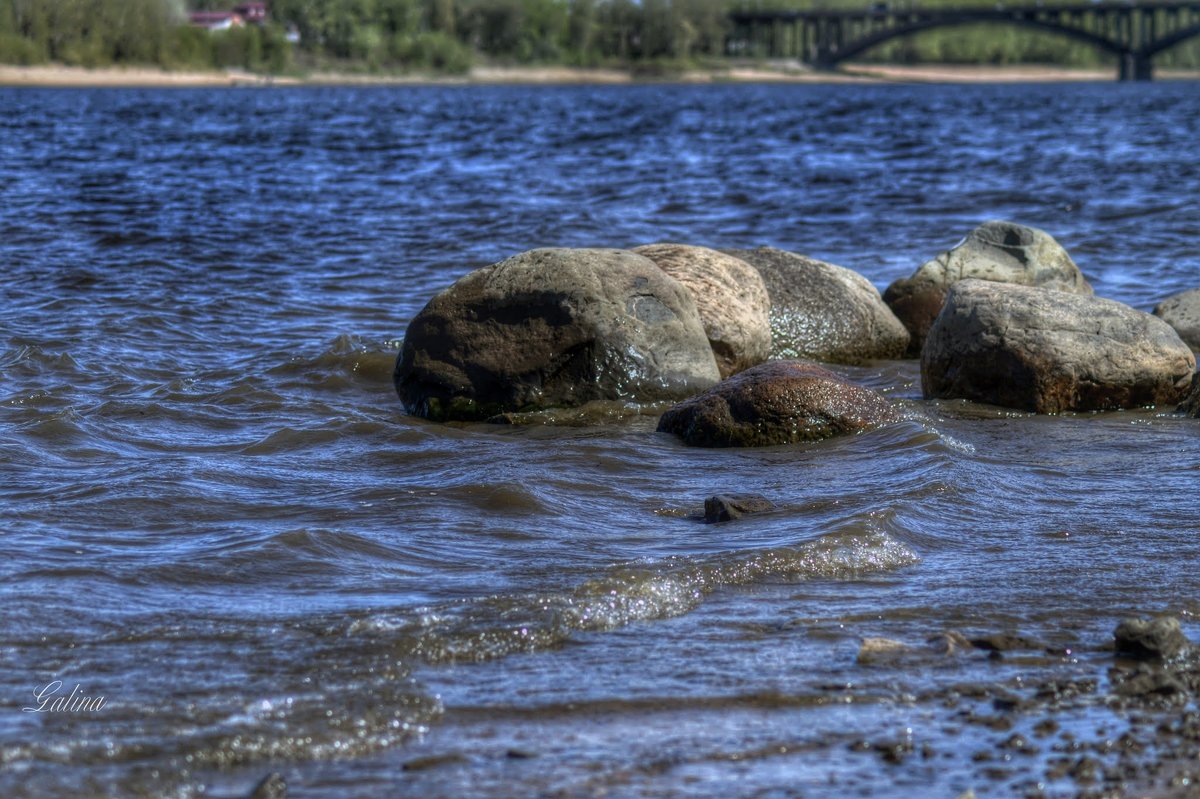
column 63, row 76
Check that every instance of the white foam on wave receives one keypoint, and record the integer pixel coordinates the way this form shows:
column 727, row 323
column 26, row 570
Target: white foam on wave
column 497, row 626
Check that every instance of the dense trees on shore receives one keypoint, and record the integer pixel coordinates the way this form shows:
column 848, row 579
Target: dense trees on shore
column 448, row 35
column 97, row 33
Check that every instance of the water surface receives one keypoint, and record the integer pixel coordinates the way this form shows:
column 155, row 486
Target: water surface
column 218, row 517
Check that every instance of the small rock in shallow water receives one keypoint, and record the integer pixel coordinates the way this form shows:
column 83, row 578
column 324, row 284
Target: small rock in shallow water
column 1147, row 639
column 271, row 786
column 1147, row 683
column 950, row 642
column 726, row 507
column 433, row 761
column 1003, row 642
column 519, row 754
column 894, row 751
column 1018, row 743
column 873, row 650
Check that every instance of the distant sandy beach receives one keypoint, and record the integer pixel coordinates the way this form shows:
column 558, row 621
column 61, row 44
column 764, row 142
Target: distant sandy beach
column 63, row 76
column 57, row 75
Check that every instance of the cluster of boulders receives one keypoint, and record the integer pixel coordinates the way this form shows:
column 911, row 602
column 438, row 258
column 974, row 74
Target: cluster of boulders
column 733, row 337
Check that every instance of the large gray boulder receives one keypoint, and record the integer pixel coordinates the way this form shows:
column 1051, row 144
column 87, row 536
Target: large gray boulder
column 730, row 297
column 777, row 402
column 1002, row 252
column 554, row 328
column 1182, row 312
column 824, row 312
column 1048, row 351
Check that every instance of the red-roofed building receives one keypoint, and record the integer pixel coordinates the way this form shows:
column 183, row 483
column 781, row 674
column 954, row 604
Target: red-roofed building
column 250, row 13
column 216, row 20
column 254, row 13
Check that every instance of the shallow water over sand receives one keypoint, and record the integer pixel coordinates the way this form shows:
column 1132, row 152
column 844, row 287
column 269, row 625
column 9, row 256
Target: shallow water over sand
column 218, row 517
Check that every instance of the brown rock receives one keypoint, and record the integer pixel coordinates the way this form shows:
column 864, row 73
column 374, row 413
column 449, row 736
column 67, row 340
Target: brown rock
column 778, row 402
column 916, row 304
column 730, row 297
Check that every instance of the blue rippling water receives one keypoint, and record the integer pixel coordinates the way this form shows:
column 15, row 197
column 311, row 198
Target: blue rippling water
column 217, row 516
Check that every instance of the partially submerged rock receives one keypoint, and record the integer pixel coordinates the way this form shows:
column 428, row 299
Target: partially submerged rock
column 874, row 650
column 1048, row 351
column 1191, row 403
column 730, row 297
column 727, row 507
column 1150, row 639
column 272, row 786
column 554, row 328
column 778, row 402
column 951, row 642
column 1001, row 252
column 1004, row 642
column 1182, row 312
column 1150, row 684
column 824, row 312
column 948, row 643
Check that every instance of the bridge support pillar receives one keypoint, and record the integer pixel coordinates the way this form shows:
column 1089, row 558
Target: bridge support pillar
column 1135, row 66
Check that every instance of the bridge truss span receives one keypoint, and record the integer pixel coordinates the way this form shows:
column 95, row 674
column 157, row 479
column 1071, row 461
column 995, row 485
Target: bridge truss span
column 1134, row 33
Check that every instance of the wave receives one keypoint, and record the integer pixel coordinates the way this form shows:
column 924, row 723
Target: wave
column 346, row 359
column 497, row 626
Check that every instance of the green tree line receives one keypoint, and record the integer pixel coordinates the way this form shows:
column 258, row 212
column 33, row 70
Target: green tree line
column 449, row 35
column 374, row 35
column 98, row 33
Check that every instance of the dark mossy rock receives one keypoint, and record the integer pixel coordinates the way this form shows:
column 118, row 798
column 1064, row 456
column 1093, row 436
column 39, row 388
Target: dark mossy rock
column 554, row 328
column 1049, row 352
column 1002, row 252
column 778, row 402
column 824, row 312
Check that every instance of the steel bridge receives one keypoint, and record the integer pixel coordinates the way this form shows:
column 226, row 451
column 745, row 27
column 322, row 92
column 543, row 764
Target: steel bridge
column 1134, row 33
